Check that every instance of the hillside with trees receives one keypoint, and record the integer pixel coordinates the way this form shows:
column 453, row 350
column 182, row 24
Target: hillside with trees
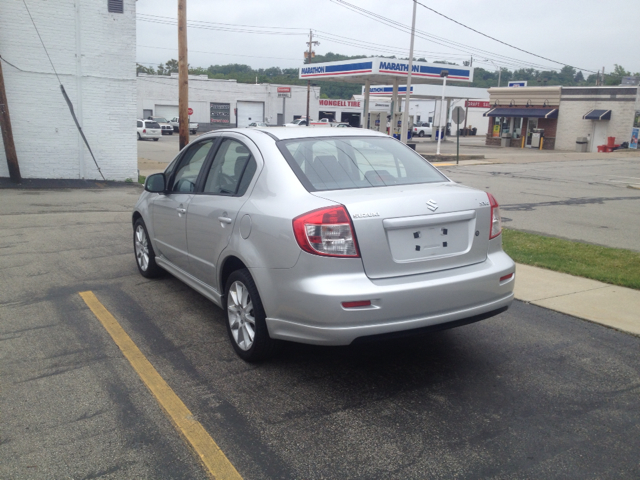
column 567, row 76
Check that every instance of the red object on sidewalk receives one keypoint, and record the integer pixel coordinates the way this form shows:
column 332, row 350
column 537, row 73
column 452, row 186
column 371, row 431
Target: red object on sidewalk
column 611, row 141
column 601, row 148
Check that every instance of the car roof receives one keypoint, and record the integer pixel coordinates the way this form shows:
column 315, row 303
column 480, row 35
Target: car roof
column 288, row 133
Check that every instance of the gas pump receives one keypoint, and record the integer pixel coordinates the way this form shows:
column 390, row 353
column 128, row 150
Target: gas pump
column 378, row 121
column 397, row 121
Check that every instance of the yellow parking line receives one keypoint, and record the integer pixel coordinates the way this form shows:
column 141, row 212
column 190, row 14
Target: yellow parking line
column 214, row 460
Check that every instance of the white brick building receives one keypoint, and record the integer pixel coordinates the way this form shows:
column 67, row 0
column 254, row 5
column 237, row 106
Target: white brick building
column 93, row 51
column 243, row 102
column 576, row 102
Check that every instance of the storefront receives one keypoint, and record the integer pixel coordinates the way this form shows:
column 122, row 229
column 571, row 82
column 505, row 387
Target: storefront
column 220, row 103
column 562, row 118
column 523, row 127
column 344, row 111
column 523, row 117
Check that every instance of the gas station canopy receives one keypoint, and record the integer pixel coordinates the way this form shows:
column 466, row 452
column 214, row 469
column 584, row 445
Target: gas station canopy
column 383, row 71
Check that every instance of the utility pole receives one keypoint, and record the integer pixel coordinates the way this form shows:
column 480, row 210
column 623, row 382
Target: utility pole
column 311, row 43
column 183, row 75
column 7, row 134
column 407, row 96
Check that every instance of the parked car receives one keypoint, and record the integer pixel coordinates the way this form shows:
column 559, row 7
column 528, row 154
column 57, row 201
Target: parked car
column 257, row 124
column 148, row 129
column 422, row 129
column 166, row 127
column 322, row 236
column 298, row 122
column 175, row 123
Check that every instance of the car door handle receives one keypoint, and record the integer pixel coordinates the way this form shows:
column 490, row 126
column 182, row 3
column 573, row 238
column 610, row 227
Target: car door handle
column 226, row 220
column 181, row 210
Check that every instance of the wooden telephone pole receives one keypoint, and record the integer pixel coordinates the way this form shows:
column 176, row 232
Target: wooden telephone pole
column 7, row 134
column 183, row 75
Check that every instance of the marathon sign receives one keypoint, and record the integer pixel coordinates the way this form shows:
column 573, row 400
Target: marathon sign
column 339, row 103
column 388, row 91
column 336, row 69
column 477, row 104
column 366, row 68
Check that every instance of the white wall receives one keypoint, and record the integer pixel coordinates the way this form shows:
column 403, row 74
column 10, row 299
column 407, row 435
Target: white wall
column 93, row 52
column 163, row 90
column 573, row 107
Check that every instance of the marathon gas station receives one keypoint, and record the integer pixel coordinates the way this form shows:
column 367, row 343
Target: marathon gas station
column 381, row 79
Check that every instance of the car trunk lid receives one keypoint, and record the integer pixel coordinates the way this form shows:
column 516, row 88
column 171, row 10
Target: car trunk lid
column 413, row 229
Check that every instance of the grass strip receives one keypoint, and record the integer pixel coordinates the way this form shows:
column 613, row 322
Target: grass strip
column 609, row 265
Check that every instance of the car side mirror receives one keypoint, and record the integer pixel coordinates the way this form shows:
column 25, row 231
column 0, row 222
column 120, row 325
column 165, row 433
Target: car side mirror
column 156, row 183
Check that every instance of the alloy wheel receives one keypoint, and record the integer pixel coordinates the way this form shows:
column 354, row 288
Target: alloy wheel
column 241, row 317
column 142, row 248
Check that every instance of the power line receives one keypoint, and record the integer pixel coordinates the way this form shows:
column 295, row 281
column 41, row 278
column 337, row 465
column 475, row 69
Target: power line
column 219, row 53
column 64, row 93
column 207, row 26
column 500, row 41
column 9, row 63
column 435, row 39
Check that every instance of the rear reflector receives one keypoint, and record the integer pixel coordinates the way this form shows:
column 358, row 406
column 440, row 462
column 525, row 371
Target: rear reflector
column 360, row 303
column 506, row 277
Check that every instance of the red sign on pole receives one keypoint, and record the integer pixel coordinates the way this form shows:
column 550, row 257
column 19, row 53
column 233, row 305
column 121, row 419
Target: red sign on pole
column 284, row 89
column 477, row 104
column 190, row 111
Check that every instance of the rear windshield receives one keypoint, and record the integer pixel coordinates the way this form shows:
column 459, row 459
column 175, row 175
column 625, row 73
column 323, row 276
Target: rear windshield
column 153, row 125
column 356, row 162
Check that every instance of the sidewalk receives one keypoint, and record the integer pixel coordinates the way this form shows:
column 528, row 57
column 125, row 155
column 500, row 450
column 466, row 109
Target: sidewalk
column 610, row 305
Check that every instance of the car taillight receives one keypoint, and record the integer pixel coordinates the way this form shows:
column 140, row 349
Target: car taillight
column 144, row 130
column 496, row 219
column 326, row 231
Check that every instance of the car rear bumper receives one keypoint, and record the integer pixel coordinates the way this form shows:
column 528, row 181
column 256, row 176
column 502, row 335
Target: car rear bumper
column 150, row 135
column 308, row 309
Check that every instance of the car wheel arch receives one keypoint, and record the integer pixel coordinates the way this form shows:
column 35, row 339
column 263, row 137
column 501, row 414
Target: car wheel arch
column 229, row 265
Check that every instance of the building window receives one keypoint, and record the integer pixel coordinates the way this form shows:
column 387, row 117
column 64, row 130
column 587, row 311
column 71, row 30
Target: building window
column 116, row 6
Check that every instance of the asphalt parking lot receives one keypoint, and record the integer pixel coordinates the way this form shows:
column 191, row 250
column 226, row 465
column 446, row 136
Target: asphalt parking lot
column 527, row 394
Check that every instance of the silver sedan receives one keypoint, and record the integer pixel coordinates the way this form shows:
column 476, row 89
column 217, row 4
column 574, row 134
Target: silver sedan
column 322, row 236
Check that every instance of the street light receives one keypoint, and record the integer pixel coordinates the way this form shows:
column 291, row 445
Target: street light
column 444, row 74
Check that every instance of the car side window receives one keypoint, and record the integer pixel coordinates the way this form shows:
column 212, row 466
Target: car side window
column 186, row 175
column 232, row 169
column 139, row 124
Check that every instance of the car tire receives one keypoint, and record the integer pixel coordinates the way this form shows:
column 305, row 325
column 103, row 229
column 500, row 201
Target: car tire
column 139, row 137
column 145, row 256
column 246, row 317
column 156, row 139
column 421, row 134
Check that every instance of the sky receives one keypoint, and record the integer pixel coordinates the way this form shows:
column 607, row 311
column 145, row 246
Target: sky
column 586, row 34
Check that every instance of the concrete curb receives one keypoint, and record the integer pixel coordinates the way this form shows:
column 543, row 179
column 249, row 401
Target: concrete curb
column 609, row 305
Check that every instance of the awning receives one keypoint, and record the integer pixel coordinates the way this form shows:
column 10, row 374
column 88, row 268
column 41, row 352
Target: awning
column 523, row 112
column 598, row 115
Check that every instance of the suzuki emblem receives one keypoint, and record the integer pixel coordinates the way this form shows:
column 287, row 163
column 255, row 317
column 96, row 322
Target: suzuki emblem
column 432, row 205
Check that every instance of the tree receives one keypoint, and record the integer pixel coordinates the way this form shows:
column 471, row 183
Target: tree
column 615, row 77
column 143, row 69
column 579, row 78
column 171, row 67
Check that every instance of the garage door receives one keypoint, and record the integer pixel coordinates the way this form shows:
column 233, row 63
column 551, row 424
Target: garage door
column 166, row 111
column 249, row 112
